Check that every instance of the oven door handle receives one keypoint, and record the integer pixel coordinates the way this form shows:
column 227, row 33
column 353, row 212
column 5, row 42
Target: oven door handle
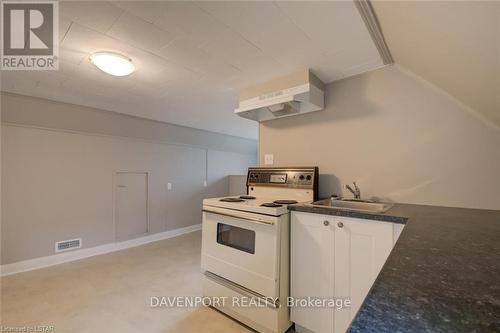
column 239, row 217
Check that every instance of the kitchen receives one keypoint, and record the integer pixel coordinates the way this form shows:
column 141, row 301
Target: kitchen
column 354, row 148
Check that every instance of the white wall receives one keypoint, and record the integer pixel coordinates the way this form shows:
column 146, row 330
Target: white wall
column 237, row 184
column 220, row 169
column 400, row 137
column 453, row 44
column 58, row 184
column 38, row 112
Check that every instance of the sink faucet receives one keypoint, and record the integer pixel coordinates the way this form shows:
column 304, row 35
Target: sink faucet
column 356, row 192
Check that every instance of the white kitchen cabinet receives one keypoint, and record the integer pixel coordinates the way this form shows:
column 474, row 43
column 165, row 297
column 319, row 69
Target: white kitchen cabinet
column 361, row 249
column 335, row 257
column 312, row 268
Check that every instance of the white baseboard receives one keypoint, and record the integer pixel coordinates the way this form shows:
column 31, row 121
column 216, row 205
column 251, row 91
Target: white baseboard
column 31, row 264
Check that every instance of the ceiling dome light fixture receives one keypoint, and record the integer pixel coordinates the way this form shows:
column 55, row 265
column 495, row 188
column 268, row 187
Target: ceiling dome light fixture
column 113, row 63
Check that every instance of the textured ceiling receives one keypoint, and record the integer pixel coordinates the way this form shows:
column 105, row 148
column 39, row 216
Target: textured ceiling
column 453, row 44
column 193, row 57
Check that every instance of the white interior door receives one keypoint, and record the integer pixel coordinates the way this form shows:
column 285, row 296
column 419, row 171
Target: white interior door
column 131, row 219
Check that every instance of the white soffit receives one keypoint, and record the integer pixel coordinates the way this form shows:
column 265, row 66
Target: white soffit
column 191, row 58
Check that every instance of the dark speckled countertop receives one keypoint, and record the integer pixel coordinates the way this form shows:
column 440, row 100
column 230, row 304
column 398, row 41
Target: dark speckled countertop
column 443, row 274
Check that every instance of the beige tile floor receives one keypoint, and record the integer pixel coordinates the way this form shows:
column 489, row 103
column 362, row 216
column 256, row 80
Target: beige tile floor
column 111, row 293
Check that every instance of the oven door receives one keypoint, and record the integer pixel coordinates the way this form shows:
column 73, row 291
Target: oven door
column 242, row 247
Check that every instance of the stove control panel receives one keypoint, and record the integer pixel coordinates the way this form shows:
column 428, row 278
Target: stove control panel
column 283, row 177
column 277, row 179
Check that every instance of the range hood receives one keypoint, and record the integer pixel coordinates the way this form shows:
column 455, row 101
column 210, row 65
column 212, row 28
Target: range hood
column 295, row 94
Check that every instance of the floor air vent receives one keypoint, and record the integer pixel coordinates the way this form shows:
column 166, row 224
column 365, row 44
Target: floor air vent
column 68, row 245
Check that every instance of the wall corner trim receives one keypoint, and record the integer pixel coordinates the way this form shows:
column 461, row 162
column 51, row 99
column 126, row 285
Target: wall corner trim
column 367, row 12
column 56, row 259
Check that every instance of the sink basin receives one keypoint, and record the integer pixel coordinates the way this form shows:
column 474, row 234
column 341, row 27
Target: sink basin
column 355, row 205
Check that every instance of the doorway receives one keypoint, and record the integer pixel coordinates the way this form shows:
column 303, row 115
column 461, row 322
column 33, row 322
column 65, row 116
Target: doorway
column 131, row 205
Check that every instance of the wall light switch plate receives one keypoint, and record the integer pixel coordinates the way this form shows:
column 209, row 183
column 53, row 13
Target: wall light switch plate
column 169, row 186
column 268, row 159
column 205, row 183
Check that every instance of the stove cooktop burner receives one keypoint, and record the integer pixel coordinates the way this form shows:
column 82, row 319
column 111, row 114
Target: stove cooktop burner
column 270, row 204
column 285, row 202
column 231, row 200
column 248, row 197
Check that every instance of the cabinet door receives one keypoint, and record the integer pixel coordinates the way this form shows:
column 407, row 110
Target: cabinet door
column 361, row 249
column 312, row 268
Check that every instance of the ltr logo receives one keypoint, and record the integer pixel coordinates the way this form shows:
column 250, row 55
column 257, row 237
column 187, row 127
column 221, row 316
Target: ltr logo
column 30, row 35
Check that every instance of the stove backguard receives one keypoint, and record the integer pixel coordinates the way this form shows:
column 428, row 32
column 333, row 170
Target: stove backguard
column 270, row 178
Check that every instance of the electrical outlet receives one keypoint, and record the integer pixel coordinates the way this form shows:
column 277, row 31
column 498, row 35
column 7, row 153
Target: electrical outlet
column 205, row 183
column 268, row 159
column 169, row 186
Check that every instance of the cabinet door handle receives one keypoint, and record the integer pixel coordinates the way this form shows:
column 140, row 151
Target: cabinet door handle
column 325, row 223
column 340, row 224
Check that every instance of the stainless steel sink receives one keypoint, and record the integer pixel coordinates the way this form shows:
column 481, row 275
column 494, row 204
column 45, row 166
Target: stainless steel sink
column 354, row 205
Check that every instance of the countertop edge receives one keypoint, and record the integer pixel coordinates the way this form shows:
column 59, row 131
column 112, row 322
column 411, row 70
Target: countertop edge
column 383, row 217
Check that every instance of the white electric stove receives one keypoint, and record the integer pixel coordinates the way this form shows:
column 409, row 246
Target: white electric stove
column 245, row 245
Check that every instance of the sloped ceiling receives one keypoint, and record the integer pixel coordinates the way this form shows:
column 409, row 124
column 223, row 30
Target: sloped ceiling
column 452, row 44
column 193, row 57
